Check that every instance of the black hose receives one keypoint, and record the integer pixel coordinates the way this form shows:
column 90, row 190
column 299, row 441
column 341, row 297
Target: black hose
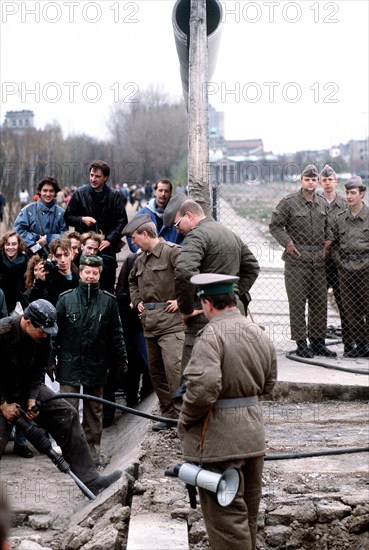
column 116, row 405
column 291, row 355
column 175, row 423
column 345, row 450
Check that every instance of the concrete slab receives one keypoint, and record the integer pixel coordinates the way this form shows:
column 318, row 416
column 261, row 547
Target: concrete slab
column 156, row 532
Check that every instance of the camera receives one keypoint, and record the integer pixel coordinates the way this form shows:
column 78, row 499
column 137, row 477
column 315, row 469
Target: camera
column 42, row 251
column 50, row 266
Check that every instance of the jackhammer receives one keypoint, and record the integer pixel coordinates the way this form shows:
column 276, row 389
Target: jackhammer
column 41, row 442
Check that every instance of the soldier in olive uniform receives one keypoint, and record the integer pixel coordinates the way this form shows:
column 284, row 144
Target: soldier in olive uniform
column 300, row 224
column 151, row 285
column 221, row 422
column 208, row 247
column 335, row 204
column 351, row 240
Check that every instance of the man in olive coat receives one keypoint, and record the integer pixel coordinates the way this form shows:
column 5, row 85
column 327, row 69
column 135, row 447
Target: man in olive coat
column 351, row 250
column 221, row 421
column 300, row 224
column 151, row 285
column 208, row 247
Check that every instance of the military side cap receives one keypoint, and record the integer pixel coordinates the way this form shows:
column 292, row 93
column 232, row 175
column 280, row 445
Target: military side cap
column 327, row 171
column 135, row 223
column 172, row 208
column 310, row 171
column 91, row 260
column 354, row 183
column 42, row 314
column 211, row 284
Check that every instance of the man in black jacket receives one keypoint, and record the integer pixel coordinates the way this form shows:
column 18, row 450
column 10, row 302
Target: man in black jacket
column 24, row 343
column 97, row 207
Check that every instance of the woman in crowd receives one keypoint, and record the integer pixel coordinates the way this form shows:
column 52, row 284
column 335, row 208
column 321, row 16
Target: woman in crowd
column 42, row 221
column 35, row 270
column 13, row 265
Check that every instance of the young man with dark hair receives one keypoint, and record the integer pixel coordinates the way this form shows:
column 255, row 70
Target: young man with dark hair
column 97, row 207
column 60, row 276
column 155, row 208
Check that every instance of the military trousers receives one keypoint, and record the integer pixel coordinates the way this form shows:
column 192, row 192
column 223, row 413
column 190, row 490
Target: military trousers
column 355, row 298
column 165, row 355
column 306, row 284
column 92, row 414
column 234, row 527
column 333, row 282
column 61, row 421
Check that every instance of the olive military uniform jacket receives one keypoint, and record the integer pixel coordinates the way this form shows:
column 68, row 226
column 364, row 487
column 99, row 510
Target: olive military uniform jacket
column 152, row 280
column 351, row 239
column 210, row 247
column 90, row 336
column 303, row 222
column 23, row 362
column 232, row 358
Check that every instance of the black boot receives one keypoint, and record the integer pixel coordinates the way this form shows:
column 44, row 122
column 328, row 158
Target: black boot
column 102, row 482
column 349, row 350
column 361, row 350
column 22, row 451
column 303, row 350
column 319, row 348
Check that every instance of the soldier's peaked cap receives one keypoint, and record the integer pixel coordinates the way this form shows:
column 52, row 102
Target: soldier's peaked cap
column 91, row 260
column 212, row 284
column 310, row 171
column 355, row 182
column 42, row 314
column 135, row 223
column 172, row 208
column 327, row 171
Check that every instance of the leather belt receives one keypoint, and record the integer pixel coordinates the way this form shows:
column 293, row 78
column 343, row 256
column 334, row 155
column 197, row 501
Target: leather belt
column 309, row 247
column 359, row 256
column 155, row 305
column 235, row 402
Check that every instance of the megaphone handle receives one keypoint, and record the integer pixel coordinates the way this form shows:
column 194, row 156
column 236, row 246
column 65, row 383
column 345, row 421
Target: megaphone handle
column 192, row 494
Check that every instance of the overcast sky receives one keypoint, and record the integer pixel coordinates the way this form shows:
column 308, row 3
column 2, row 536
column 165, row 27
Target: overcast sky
column 292, row 73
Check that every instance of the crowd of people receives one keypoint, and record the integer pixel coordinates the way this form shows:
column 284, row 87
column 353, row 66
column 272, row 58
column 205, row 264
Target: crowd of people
column 175, row 322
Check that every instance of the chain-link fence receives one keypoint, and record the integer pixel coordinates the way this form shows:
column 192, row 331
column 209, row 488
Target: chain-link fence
column 247, row 210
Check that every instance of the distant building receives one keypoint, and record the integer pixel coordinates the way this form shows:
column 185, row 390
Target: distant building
column 19, row 120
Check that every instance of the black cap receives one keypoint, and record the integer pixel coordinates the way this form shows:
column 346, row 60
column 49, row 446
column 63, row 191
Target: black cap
column 91, row 260
column 212, row 284
column 42, row 314
column 172, row 208
column 135, row 223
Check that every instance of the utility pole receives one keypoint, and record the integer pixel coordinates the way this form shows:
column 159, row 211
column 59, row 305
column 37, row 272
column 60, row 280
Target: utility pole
column 198, row 122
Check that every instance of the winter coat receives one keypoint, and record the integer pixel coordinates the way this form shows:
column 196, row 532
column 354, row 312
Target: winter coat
column 232, row 358
column 12, row 278
column 36, row 220
column 90, row 337
column 109, row 212
column 55, row 284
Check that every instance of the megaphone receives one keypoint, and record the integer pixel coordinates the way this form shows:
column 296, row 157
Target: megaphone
column 224, row 485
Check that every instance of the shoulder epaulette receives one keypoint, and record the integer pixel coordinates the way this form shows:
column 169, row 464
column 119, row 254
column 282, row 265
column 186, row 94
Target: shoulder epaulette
column 290, row 196
column 5, row 328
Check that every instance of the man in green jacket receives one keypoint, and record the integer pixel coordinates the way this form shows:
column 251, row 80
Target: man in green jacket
column 89, row 343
